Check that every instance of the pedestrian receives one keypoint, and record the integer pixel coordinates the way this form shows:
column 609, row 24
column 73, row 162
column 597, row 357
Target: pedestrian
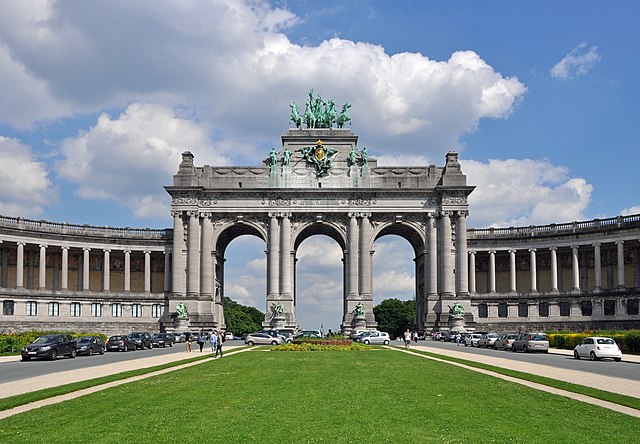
column 407, row 339
column 415, row 337
column 201, row 341
column 187, row 342
column 213, row 340
column 219, row 344
column 458, row 338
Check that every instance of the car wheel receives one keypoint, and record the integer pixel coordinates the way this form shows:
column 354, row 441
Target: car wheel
column 593, row 356
column 250, row 343
column 90, row 351
column 171, row 345
column 102, row 350
column 54, row 354
column 28, row 358
column 386, row 342
column 576, row 355
column 274, row 342
column 73, row 353
column 126, row 348
column 617, row 359
column 525, row 349
column 366, row 342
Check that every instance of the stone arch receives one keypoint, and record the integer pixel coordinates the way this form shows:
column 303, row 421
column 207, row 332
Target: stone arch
column 311, row 228
column 412, row 232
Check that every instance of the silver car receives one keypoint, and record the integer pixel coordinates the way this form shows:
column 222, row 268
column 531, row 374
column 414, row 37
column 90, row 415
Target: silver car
column 487, row 340
column 376, row 337
column 530, row 342
column 262, row 339
column 505, row 342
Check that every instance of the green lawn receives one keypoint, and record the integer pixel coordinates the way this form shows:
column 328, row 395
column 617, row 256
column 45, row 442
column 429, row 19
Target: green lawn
column 334, row 397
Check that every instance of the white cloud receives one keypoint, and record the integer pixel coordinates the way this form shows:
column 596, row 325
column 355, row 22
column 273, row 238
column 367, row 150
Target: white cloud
column 26, row 186
column 129, row 158
column 229, row 64
column 577, row 63
column 512, row 192
column 630, row 210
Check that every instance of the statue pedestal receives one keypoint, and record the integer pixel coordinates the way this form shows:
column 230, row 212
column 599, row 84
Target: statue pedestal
column 456, row 324
column 278, row 321
column 359, row 322
column 180, row 324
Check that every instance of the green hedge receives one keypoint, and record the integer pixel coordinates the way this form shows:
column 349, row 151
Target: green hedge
column 627, row 340
column 13, row 343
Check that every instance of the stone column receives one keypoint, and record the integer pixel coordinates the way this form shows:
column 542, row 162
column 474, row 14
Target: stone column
column 462, row 280
column 42, row 268
column 621, row 283
column 472, row 271
column 127, row 271
column 177, row 264
column 167, row 273
column 447, row 265
column 64, row 282
column 286, row 266
column 352, row 258
column 431, row 270
column 20, row 265
column 597, row 270
column 575, row 268
column 85, row 268
column 147, row 271
column 636, row 267
column 273, row 257
column 206, row 272
column 106, row 271
column 492, row 271
column 193, row 255
column 512, row 271
column 533, row 269
column 365, row 274
column 554, row 269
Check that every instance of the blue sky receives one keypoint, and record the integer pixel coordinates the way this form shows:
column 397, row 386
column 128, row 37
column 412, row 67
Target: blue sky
column 97, row 100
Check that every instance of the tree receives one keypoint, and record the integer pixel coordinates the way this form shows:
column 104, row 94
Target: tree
column 241, row 319
column 395, row 316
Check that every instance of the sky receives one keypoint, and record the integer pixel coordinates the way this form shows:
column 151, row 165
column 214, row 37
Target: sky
column 99, row 98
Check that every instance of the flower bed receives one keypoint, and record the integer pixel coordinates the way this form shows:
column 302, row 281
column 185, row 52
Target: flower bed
column 323, row 341
column 309, row 346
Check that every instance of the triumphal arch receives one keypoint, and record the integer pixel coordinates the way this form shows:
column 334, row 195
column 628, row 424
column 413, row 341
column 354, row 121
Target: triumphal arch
column 319, row 182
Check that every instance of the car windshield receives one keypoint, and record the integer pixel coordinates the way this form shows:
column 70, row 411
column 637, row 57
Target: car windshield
column 539, row 337
column 136, row 335
column 45, row 339
column 83, row 340
column 606, row 341
column 115, row 338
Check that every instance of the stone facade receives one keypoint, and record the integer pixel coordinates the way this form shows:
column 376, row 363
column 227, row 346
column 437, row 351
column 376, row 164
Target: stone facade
column 581, row 275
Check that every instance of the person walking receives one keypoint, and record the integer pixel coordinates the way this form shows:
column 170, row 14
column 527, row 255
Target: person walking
column 213, row 340
column 407, row 339
column 187, row 342
column 201, row 341
column 219, row 344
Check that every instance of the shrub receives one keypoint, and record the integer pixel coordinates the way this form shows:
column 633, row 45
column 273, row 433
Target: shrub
column 627, row 340
column 14, row 342
column 308, row 346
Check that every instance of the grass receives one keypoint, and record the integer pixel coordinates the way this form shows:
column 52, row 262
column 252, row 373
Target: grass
column 359, row 397
column 26, row 398
column 616, row 398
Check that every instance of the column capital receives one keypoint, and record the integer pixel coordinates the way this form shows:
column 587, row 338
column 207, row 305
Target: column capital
column 596, row 244
column 492, row 252
column 462, row 213
column 65, row 247
column 533, row 250
column 43, row 246
column 512, row 251
column 470, row 252
column 146, row 251
column 176, row 213
column 22, row 244
column 553, row 248
column 575, row 247
column 127, row 251
column 619, row 242
column 106, row 250
column 86, row 249
column 193, row 213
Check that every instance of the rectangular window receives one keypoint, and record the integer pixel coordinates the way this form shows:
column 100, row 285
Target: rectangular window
column 483, row 310
column 54, row 309
column 632, row 306
column 503, row 310
column 543, row 309
column 116, row 310
column 156, row 310
column 31, row 308
column 136, row 310
column 609, row 307
column 74, row 309
column 7, row 308
column 586, row 307
column 96, row 310
column 523, row 309
column 565, row 308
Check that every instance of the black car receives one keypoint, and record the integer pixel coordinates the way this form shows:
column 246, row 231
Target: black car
column 120, row 343
column 50, row 347
column 142, row 339
column 88, row 345
column 162, row 340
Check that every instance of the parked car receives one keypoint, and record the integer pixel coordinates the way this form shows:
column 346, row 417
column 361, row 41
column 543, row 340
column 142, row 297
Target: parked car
column 120, row 343
column 88, row 345
column 307, row 334
column 228, row 336
column 504, row 342
column 179, row 337
column 50, row 347
column 356, row 334
column 142, row 339
column 487, row 340
column 162, row 340
column 472, row 339
column 261, row 338
column 376, row 337
column 596, row 348
column 530, row 342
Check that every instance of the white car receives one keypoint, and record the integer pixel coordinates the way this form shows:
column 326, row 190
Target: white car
column 262, row 338
column 376, row 337
column 228, row 336
column 472, row 339
column 596, row 348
